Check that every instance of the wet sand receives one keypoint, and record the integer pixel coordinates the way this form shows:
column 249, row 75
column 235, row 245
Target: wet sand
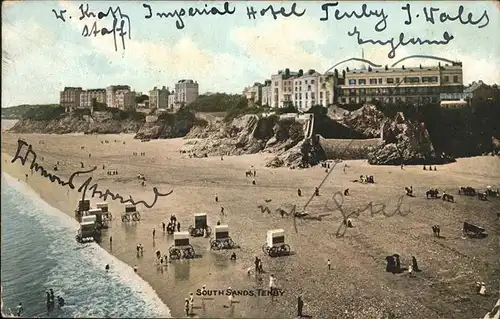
column 357, row 286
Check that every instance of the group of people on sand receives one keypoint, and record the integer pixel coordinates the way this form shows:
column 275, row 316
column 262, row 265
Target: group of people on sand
column 172, row 224
column 51, row 300
column 141, row 153
column 140, row 250
column 430, row 168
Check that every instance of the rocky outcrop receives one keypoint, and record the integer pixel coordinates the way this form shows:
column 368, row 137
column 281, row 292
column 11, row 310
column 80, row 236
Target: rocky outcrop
column 251, row 134
column 406, row 142
column 75, row 123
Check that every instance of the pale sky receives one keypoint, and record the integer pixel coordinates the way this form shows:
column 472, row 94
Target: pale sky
column 41, row 55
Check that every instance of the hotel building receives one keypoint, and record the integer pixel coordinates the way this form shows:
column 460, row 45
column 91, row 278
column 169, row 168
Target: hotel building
column 415, row 85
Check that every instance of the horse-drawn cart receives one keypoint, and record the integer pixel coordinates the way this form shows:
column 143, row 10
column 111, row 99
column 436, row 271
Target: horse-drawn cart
column 275, row 245
column 88, row 231
column 130, row 213
column 222, row 239
column 181, row 247
column 200, row 227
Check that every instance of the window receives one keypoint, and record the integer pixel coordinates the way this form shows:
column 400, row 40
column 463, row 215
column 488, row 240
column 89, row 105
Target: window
column 373, row 81
column 305, row 81
column 320, row 95
column 300, row 96
column 312, row 81
column 362, row 81
column 455, row 79
column 312, row 95
column 275, row 83
column 309, row 88
column 389, row 80
column 300, row 88
column 379, row 81
column 300, row 104
column 352, row 82
column 306, row 96
column 397, row 80
column 446, row 79
column 296, row 96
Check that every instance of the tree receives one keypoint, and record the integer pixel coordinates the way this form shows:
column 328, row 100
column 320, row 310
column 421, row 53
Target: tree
column 141, row 98
column 343, row 74
column 301, row 72
column 336, row 74
column 369, row 68
column 287, row 72
column 347, row 69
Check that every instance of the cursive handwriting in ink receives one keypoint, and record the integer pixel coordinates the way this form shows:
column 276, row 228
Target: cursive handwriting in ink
column 118, row 18
column 192, row 12
column 380, row 26
column 407, row 8
column 60, row 15
column 83, row 187
column 338, row 201
column 392, row 53
column 443, row 17
column 282, row 11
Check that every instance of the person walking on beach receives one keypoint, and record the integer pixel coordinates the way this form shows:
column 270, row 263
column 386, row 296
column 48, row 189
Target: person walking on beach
column 110, row 240
column 300, row 306
column 329, row 264
column 163, row 226
column 186, row 306
column 216, row 198
column 222, row 211
column 191, row 302
column 272, row 283
column 178, row 226
column 154, row 232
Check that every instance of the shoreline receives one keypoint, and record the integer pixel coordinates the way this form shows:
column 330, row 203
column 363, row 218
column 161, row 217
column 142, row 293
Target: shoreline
column 194, row 186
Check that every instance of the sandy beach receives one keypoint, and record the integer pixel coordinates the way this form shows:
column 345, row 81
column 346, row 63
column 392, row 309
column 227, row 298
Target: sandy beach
column 357, row 286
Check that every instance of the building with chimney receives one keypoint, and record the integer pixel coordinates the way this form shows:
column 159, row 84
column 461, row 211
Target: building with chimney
column 120, row 96
column 282, row 88
column 70, row 98
column 186, row 91
column 158, row 98
column 254, row 93
column 418, row 85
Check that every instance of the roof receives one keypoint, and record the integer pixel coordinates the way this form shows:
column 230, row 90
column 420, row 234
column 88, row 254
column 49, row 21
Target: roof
column 474, row 86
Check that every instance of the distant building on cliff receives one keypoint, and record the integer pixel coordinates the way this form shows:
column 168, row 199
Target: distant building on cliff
column 120, row 96
column 70, row 98
column 87, row 97
column 158, row 98
column 254, row 93
column 186, row 91
column 418, row 85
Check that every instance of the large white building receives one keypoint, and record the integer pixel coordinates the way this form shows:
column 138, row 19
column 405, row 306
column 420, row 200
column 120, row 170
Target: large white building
column 88, row 96
column 406, row 84
column 186, row 91
column 298, row 89
column 120, row 96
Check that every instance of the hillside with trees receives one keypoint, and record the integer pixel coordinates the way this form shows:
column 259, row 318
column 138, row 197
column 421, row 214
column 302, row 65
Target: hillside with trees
column 17, row 112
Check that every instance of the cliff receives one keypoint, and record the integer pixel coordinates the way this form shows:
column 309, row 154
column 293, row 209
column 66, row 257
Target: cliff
column 99, row 123
column 251, row 134
column 383, row 140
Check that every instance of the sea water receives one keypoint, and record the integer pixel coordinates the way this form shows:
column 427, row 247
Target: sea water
column 39, row 252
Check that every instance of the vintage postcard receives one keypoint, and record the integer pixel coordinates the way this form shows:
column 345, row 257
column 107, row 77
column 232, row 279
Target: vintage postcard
column 250, row 159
